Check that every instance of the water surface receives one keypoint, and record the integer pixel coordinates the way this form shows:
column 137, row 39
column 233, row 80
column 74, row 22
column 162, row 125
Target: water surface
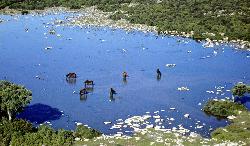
column 102, row 54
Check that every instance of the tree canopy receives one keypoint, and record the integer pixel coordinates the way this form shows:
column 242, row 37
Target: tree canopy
column 13, row 98
column 240, row 89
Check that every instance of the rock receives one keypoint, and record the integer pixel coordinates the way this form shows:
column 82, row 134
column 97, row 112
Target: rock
column 231, row 117
column 171, row 119
column 48, row 48
column 186, row 115
column 107, row 123
column 77, row 139
column 78, row 123
column 170, row 65
column 183, row 89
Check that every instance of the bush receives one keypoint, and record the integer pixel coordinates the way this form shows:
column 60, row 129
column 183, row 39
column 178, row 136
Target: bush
column 9, row 129
column 85, row 132
column 223, row 109
column 240, row 89
column 44, row 136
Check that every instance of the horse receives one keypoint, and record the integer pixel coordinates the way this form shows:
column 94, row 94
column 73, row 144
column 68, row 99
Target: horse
column 71, row 75
column 89, row 82
column 125, row 75
column 158, row 73
column 112, row 92
column 83, row 91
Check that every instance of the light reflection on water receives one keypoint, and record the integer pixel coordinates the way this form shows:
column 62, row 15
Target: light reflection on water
column 102, row 54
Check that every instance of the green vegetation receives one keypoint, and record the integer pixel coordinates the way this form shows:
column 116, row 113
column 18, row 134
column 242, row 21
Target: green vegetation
column 84, row 132
column 238, row 130
column 214, row 19
column 240, row 89
column 10, row 129
column 21, row 133
column 18, row 132
column 223, row 108
column 13, row 98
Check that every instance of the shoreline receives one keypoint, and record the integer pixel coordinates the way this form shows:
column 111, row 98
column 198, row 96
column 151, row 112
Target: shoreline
column 93, row 17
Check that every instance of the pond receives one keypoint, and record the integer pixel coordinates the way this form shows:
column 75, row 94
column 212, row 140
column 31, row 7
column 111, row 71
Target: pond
column 33, row 57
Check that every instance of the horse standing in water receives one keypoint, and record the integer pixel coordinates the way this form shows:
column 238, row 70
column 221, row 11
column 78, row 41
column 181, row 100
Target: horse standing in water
column 158, row 74
column 83, row 91
column 124, row 76
column 71, row 75
column 89, row 83
column 112, row 92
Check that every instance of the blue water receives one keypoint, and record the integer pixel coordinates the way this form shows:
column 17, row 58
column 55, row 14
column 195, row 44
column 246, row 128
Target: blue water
column 97, row 54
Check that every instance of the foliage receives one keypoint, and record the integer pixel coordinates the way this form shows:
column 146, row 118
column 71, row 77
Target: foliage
column 44, row 136
column 85, row 132
column 13, row 98
column 222, row 108
column 240, row 89
column 8, row 129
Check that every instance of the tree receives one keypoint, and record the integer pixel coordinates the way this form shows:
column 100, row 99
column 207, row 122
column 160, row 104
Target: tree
column 13, row 98
column 240, row 89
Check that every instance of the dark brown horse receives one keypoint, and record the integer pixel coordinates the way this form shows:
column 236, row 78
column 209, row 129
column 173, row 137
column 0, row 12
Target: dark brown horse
column 71, row 75
column 89, row 83
column 125, row 75
column 83, row 91
column 158, row 73
column 112, row 92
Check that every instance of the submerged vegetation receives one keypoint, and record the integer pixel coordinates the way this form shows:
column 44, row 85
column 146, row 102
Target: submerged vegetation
column 201, row 19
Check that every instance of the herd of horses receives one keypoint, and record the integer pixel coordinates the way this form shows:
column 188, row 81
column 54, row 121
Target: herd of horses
column 89, row 84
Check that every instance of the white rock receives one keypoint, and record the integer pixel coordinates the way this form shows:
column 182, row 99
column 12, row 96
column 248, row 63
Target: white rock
column 78, row 124
column 186, row 115
column 107, row 123
column 231, row 117
column 47, row 48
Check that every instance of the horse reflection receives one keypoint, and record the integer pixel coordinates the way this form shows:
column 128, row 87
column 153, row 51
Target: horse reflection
column 71, row 80
column 83, row 97
column 111, row 98
column 125, row 80
column 158, row 78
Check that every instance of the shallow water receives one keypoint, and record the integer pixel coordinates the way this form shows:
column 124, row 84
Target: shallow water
column 102, row 54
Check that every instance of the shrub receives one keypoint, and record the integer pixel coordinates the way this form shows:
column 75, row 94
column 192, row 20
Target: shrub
column 85, row 132
column 8, row 129
column 240, row 89
column 222, row 108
